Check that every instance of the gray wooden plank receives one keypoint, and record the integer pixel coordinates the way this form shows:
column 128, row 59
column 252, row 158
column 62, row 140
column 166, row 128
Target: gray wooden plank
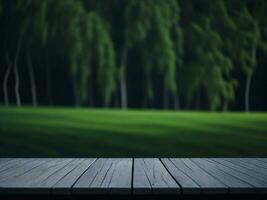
column 247, row 165
column 14, row 184
column 24, row 175
column 63, row 186
column 31, row 163
column 241, row 168
column 206, row 182
column 151, row 177
column 12, row 164
column 141, row 182
column 105, row 176
column 58, row 173
column 189, row 185
column 254, row 162
column 43, row 181
column 31, row 182
column 234, row 184
column 259, row 185
column 262, row 159
column 4, row 160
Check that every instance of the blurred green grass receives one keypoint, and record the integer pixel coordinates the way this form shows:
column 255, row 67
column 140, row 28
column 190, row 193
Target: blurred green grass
column 68, row 132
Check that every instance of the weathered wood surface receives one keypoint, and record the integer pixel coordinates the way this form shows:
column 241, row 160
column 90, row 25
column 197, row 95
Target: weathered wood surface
column 151, row 177
column 176, row 176
column 106, row 176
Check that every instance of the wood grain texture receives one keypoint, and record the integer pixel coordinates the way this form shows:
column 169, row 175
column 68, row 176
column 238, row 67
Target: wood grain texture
column 21, row 169
column 106, row 176
column 151, row 177
column 206, row 181
column 189, row 185
column 178, row 176
column 234, row 184
column 72, row 174
column 4, row 160
column 34, row 180
column 241, row 168
column 248, row 165
column 258, row 184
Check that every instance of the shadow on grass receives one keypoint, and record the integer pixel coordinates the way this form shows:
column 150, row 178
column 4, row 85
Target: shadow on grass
column 78, row 134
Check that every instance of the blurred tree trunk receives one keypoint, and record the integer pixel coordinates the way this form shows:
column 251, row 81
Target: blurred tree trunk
column 247, row 92
column 165, row 98
column 145, row 102
column 116, row 99
column 123, row 81
column 197, row 99
column 249, row 78
column 76, row 94
column 91, row 93
column 176, row 101
column 6, row 76
column 32, row 79
column 16, row 72
column 147, row 90
column 48, row 85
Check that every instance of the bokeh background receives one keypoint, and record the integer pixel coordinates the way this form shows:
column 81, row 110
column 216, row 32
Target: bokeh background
column 172, row 54
column 133, row 78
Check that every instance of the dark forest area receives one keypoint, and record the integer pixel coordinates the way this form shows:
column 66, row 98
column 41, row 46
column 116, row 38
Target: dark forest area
column 163, row 54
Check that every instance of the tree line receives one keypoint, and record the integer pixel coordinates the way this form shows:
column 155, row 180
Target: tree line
column 171, row 54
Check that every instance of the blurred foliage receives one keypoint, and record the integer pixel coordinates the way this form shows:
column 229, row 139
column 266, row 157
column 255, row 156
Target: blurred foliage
column 180, row 50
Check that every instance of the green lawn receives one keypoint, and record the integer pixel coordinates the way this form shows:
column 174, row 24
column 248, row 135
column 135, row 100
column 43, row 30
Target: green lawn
column 66, row 132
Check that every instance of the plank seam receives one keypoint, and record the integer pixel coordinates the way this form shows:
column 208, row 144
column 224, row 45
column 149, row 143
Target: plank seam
column 182, row 171
column 42, row 181
column 71, row 187
column 67, row 173
column 180, row 186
